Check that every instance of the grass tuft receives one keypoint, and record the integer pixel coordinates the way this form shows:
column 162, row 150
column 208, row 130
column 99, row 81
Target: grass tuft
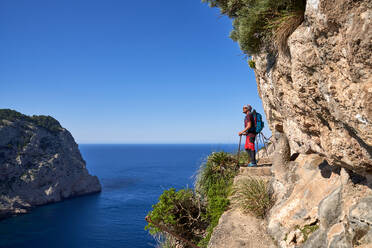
column 253, row 196
column 261, row 24
column 284, row 27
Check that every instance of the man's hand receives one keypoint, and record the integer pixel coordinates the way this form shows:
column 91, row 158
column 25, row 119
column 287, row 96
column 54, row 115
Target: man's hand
column 241, row 133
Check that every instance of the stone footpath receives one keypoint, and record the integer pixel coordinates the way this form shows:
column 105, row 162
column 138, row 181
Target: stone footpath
column 237, row 229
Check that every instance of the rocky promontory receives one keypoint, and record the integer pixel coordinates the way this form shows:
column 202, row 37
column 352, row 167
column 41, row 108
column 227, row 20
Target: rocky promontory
column 40, row 163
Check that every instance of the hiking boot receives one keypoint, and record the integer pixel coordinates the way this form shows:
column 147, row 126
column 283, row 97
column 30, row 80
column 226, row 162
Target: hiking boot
column 251, row 165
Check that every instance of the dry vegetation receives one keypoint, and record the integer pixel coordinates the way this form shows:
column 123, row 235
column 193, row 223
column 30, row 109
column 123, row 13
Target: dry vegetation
column 253, row 196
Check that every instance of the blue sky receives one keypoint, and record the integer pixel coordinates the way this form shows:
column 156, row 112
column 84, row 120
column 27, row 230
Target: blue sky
column 116, row 71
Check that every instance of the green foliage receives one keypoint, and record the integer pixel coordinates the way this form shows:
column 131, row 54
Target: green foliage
column 180, row 212
column 46, row 122
column 256, row 22
column 193, row 215
column 252, row 64
column 243, row 157
column 284, row 27
column 253, row 196
column 11, row 115
column 213, row 185
column 308, row 229
column 219, row 168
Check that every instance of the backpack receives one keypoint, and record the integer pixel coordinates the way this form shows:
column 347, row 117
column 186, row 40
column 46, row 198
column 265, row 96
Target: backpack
column 258, row 122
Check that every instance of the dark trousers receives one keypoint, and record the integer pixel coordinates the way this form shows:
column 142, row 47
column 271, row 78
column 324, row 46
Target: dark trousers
column 252, row 155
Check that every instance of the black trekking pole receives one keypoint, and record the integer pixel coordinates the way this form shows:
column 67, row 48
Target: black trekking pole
column 240, row 141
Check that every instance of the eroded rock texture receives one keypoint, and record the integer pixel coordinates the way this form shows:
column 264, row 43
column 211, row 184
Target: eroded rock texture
column 318, row 204
column 318, row 102
column 39, row 166
column 320, row 95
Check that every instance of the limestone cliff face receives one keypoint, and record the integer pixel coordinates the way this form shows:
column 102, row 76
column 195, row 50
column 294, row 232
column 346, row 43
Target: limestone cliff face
column 318, row 204
column 318, row 102
column 320, row 95
column 39, row 163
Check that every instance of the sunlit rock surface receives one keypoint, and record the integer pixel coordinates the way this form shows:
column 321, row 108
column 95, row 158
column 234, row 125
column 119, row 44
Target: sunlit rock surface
column 320, row 95
column 39, row 164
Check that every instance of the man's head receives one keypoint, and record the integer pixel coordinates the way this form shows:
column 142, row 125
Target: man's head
column 247, row 108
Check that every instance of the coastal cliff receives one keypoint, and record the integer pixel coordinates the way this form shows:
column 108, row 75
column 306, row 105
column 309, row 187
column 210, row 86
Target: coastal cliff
column 320, row 94
column 313, row 189
column 317, row 97
column 318, row 102
column 40, row 163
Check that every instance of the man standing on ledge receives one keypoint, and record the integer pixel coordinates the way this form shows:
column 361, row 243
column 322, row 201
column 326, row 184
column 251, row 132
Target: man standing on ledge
column 250, row 131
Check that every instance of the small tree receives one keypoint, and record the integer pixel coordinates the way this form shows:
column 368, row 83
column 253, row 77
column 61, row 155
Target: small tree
column 180, row 212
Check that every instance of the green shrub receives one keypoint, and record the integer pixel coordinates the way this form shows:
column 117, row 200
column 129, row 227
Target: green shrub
column 253, row 196
column 216, row 174
column 194, row 214
column 261, row 24
column 252, row 64
column 43, row 121
column 213, row 185
column 47, row 122
column 180, row 212
column 11, row 115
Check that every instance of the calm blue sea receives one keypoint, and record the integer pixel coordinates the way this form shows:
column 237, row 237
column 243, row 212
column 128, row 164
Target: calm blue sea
column 132, row 176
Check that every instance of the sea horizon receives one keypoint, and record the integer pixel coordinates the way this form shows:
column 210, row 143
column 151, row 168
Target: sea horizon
column 211, row 143
column 133, row 176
